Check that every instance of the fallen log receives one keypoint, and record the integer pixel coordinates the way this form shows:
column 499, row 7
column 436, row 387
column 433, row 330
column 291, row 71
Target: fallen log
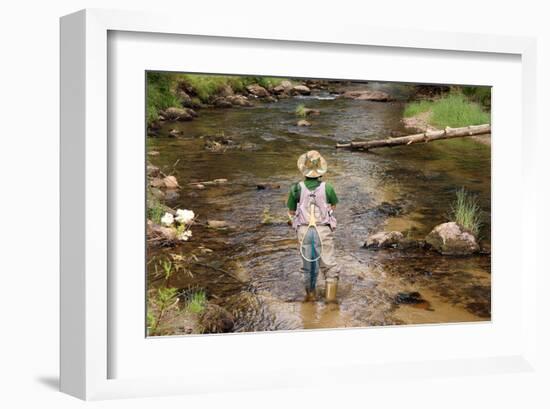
column 425, row 137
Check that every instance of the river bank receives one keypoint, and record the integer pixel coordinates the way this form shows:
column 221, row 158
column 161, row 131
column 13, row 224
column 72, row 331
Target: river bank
column 249, row 268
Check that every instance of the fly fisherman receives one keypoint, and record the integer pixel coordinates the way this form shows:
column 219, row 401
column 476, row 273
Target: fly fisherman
column 311, row 204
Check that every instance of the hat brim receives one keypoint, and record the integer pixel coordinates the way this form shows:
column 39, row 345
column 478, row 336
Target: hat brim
column 312, row 173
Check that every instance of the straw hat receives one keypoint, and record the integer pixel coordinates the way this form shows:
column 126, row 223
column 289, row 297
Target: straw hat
column 312, row 164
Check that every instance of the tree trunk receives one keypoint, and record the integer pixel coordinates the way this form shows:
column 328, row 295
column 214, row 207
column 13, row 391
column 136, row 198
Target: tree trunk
column 425, row 137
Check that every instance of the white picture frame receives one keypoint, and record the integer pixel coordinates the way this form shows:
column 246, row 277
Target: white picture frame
column 86, row 331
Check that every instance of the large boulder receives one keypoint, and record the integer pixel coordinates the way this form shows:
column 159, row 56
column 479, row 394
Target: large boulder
column 238, row 100
column 300, row 90
column 179, row 114
column 384, row 240
column 257, row 90
column 221, row 102
column 367, row 95
column 451, row 239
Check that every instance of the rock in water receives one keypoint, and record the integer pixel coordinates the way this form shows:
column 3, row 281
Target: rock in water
column 215, row 319
column 384, row 240
column 217, row 224
column 367, row 95
column 301, row 90
column 303, row 122
column 257, row 90
column 153, row 171
column 179, row 114
column 170, row 182
column 451, row 239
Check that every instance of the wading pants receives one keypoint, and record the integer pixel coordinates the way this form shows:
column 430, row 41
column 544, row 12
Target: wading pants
column 327, row 263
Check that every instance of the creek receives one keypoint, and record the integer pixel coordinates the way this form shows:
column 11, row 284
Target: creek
column 409, row 189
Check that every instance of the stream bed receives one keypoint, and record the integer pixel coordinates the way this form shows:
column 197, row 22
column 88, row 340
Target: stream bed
column 409, row 189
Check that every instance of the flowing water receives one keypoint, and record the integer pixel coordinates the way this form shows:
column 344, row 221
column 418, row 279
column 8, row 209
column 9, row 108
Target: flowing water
column 407, row 189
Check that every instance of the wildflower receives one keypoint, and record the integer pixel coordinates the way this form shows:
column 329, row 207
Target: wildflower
column 184, row 216
column 185, row 235
column 167, row 219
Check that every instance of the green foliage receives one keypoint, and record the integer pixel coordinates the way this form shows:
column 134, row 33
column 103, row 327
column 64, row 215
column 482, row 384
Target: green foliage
column 466, row 211
column 415, row 108
column 160, row 301
column 160, row 94
column 300, row 111
column 195, row 301
column 161, row 87
column 453, row 110
column 155, row 209
column 166, row 268
column 481, row 95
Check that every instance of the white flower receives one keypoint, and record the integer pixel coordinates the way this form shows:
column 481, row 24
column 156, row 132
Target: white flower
column 185, row 235
column 184, row 216
column 167, row 219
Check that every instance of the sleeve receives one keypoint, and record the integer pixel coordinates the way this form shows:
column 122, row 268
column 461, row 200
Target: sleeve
column 331, row 194
column 292, row 201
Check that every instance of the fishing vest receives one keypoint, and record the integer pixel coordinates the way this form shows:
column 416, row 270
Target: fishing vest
column 318, row 198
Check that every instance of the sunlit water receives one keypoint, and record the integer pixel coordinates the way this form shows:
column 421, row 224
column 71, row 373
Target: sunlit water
column 407, row 189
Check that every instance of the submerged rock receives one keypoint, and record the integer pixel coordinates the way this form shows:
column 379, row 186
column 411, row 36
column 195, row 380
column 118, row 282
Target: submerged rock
column 215, row 319
column 413, row 297
column 264, row 186
column 172, row 195
column 174, row 132
column 384, row 240
column 179, row 114
column 451, row 239
column 303, row 122
column 311, row 111
column 367, row 95
column 218, row 224
column 152, row 170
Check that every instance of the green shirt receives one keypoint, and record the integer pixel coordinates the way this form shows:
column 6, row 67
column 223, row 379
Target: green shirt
column 311, row 184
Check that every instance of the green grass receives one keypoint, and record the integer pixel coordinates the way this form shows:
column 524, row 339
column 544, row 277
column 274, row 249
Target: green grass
column 195, row 301
column 159, row 94
column 453, row 110
column 300, row 111
column 155, row 209
column 466, row 211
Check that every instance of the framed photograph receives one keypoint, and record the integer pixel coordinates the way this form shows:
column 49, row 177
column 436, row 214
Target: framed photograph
column 266, row 209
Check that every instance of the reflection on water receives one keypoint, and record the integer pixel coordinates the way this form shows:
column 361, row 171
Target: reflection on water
column 407, row 188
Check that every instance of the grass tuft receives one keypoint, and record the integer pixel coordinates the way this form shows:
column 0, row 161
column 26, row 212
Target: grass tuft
column 301, row 111
column 466, row 211
column 453, row 110
column 195, row 302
